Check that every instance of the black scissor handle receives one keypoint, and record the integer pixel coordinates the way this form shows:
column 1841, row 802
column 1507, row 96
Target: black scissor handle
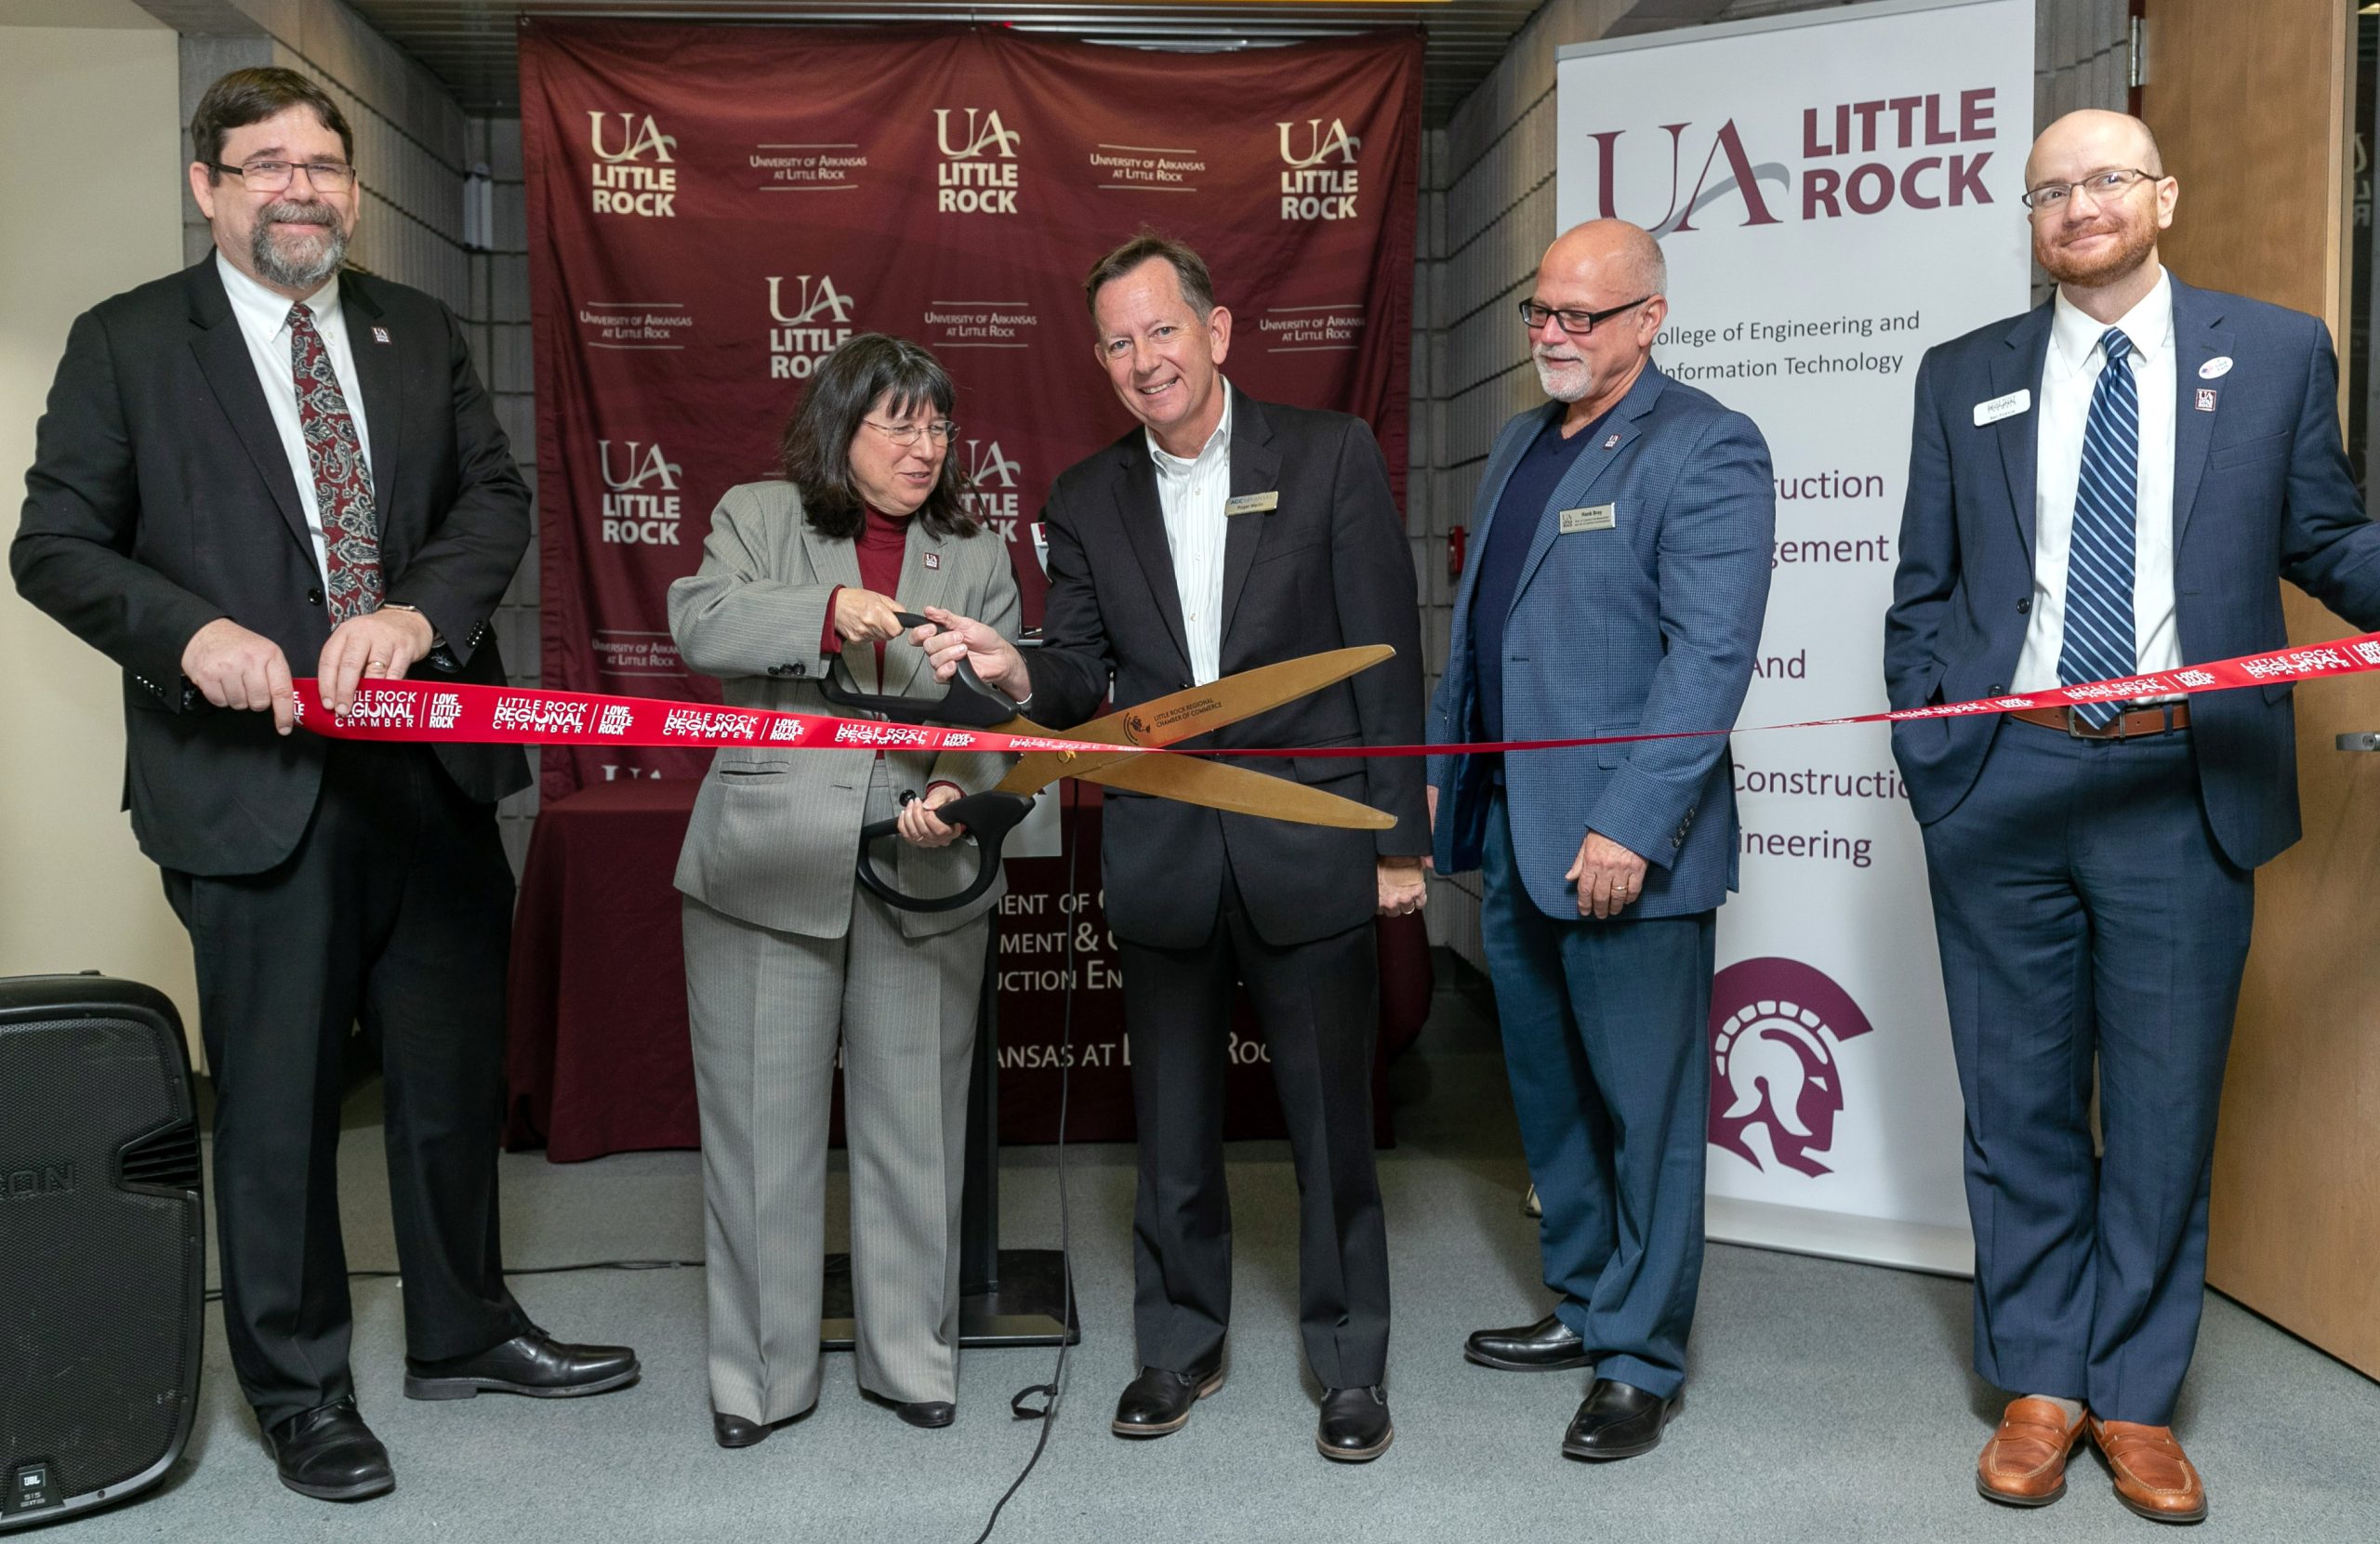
column 989, row 817
column 968, row 703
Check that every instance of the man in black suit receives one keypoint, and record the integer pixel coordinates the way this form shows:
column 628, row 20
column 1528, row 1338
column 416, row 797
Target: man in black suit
column 258, row 461
column 1223, row 534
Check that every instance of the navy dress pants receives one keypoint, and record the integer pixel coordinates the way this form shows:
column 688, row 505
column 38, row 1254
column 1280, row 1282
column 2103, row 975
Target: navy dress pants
column 1607, row 1029
column 2088, row 918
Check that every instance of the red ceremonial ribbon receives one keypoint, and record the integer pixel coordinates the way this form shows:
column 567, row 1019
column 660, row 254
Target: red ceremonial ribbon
column 417, row 710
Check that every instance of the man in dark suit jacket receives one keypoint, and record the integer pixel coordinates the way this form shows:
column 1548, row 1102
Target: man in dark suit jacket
column 260, row 460
column 1224, row 534
column 2112, row 483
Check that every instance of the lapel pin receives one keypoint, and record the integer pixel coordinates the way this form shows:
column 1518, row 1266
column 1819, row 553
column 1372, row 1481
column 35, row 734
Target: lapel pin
column 1612, row 443
column 2216, row 368
column 380, row 334
column 2206, row 399
column 933, row 559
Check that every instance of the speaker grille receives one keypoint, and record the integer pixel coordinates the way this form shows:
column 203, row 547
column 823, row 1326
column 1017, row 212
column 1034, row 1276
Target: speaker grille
column 164, row 1160
column 100, row 1281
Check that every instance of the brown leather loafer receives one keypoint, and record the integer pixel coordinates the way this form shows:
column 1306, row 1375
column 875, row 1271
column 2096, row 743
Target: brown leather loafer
column 2153, row 1477
column 2024, row 1464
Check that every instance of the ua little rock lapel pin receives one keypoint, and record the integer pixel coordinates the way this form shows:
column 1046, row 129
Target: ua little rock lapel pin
column 1253, row 504
column 380, row 334
column 2206, row 399
column 933, row 559
column 2003, row 407
column 1612, row 443
column 1594, row 517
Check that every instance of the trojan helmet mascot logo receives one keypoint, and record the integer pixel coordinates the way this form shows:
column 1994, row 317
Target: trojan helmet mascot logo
column 1776, row 1025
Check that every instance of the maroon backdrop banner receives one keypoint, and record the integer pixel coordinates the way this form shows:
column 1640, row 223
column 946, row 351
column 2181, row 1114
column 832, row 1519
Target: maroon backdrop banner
column 715, row 207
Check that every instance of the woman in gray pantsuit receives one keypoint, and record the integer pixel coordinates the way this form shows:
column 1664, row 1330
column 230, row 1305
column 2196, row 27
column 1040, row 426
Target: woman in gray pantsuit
column 788, row 959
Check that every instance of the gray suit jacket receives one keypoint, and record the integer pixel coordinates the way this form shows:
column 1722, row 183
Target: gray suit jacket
column 775, row 831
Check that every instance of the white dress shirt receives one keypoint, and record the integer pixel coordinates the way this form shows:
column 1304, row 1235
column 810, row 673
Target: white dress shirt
column 264, row 323
column 2069, row 376
column 1192, row 494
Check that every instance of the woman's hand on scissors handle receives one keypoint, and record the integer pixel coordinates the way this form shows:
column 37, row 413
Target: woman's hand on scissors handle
column 921, row 826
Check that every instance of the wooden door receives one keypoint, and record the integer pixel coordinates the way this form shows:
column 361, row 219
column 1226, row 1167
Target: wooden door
column 2250, row 105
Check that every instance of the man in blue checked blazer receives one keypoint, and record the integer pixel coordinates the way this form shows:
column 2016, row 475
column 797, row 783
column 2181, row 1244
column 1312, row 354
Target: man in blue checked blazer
column 1619, row 575
column 2114, row 482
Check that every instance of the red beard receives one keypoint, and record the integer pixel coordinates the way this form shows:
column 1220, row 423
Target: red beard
column 2138, row 242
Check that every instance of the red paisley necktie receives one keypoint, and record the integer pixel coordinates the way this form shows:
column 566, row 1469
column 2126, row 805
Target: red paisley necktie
column 342, row 486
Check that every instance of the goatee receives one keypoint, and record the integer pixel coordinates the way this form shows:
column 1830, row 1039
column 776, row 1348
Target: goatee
column 1552, row 379
column 301, row 269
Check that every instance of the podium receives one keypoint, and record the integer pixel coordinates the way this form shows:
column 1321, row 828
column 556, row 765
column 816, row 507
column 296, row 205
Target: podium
column 1006, row 1296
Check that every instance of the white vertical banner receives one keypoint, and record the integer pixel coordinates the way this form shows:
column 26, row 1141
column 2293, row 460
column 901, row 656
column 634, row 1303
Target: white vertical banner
column 1836, row 190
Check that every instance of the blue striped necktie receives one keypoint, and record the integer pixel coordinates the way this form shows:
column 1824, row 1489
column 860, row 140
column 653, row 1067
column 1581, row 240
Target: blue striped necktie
column 2099, row 641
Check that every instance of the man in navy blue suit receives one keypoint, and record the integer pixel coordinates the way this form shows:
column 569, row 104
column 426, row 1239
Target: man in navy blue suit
column 2114, row 482
column 1621, row 570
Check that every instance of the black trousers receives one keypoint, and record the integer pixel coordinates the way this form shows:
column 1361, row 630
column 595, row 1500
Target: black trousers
column 1318, row 1004
column 394, row 910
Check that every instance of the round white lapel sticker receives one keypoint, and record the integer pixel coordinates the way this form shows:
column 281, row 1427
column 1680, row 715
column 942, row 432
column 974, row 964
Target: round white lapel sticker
column 2214, row 368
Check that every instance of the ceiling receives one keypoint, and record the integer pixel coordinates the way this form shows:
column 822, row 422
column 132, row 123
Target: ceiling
column 470, row 44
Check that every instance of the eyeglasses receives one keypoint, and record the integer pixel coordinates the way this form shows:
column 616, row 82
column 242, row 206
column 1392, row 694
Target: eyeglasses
column 2099, row 185
column 907, row 435
column 1577, row 324
column 275, row 177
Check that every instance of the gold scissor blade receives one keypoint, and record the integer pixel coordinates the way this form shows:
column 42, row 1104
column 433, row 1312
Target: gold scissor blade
column 1193, row 710
column 1238, row 790
column 1198, row 709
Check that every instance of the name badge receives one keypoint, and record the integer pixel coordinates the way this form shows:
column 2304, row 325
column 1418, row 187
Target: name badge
column 2003, row 407
column 1253, row 504
column 1594, row 517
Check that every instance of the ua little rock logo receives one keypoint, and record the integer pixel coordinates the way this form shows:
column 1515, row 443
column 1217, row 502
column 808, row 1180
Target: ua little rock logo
column 1775, row 1027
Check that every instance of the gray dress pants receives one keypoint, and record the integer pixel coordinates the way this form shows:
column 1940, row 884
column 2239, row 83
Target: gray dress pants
column 771, row 1012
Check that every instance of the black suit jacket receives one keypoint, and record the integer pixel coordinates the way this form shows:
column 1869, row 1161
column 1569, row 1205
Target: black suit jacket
column 1328, row 567
column 160, row 498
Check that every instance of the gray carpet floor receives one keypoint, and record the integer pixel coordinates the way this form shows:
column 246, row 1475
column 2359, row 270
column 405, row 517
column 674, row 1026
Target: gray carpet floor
column 1827, row 1401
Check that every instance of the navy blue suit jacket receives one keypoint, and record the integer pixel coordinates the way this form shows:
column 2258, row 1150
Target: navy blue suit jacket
column 2261, row 493
column 1649, row 625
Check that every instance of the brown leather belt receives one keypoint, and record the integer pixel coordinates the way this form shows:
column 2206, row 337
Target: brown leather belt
column 2131, row 725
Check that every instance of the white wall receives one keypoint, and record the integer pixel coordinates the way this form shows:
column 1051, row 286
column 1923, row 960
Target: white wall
column 91, row 183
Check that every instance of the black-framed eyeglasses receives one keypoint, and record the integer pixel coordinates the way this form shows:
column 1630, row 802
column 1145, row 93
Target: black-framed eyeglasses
column 1577, row 324
column 275, row 177
column 907, row 435
column 2099, row 185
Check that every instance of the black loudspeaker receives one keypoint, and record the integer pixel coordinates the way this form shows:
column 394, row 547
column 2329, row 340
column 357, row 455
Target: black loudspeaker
column 102, row 1245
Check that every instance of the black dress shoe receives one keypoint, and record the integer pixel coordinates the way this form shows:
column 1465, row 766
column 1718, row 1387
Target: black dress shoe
column 1354, row 1426
column 329, row 1454
column 1619, row 1420
column 1545, row 1346
column 927, row 1413
column 534, row 1364
column 735, row 1431
column 1160, row 1401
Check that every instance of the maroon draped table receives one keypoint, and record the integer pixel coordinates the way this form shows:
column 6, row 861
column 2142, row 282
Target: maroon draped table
column 599, row 1060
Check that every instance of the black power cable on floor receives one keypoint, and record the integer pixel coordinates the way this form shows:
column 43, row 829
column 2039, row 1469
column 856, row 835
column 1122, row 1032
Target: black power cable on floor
column 1047, row 1413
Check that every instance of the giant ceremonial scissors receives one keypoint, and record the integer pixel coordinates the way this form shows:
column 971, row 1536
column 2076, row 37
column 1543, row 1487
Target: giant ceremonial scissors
column 990, row 816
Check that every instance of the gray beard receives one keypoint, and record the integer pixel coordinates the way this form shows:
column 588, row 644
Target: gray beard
column 273, row 269
column 1545, row 379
